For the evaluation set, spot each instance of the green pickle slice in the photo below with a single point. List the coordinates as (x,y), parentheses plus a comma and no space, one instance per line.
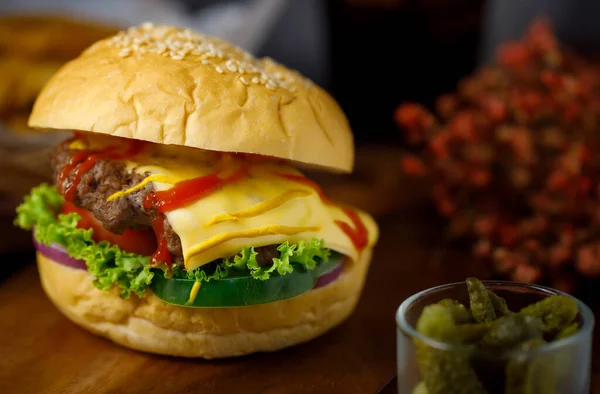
(568,331)
(493,345)
(444,372)
(557,312)
(481,305)
(420,389)
(499,304)
(519,368)
(474,332)
(460,313)
(509,331)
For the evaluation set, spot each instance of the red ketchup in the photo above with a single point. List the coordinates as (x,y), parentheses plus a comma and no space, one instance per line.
(358,235)
(181,194)
(83,161)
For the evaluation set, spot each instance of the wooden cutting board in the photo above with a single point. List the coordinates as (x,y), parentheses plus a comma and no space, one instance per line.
(43,352)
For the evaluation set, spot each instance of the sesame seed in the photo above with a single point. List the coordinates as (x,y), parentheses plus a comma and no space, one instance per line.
(124,52)
(181,43)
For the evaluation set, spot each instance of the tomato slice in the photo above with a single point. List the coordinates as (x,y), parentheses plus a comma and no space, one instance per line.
(141,242)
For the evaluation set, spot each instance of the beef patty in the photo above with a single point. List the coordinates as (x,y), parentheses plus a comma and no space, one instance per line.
(107,177)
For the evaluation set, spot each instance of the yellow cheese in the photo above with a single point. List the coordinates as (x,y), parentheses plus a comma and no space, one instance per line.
(253,233)
(259,210)
(77,145)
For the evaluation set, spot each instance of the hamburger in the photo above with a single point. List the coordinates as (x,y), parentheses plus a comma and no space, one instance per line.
(180,221)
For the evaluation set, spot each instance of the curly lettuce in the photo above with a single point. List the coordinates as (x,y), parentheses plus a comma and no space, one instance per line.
(132,273)
(110,265)
(307,255)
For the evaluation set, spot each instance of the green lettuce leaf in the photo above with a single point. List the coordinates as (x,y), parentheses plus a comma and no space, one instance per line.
(110,265)
(245,259)
(132,273)
(200,274)
(39,208)
(307,255)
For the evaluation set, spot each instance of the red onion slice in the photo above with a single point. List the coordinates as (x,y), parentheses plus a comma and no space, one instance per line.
(329,277)
(58,254)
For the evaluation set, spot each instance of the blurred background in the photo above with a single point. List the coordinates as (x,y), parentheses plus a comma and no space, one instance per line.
(372,55)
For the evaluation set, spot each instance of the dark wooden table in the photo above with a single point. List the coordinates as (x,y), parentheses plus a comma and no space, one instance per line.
(42,352)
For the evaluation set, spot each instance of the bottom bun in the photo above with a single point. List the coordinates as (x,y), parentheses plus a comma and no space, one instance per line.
(151,325)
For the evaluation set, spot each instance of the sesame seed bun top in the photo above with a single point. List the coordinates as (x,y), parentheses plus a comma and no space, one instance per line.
(174,86)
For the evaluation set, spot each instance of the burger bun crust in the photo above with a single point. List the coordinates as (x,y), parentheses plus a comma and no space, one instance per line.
(151,325)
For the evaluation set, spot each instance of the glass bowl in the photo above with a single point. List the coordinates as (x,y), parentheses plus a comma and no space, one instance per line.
(560,367)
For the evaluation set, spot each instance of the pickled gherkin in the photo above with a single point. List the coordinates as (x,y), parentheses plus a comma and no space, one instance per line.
(517,368)
(499,304)
(509,331)
(568,331)
(487,348)
(480,303)
(459,311)
(470,333)
(420,389)
(437,322)
(557,312)
(444,371)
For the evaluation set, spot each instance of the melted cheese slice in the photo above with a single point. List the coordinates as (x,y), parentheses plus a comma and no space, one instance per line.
(263,209)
